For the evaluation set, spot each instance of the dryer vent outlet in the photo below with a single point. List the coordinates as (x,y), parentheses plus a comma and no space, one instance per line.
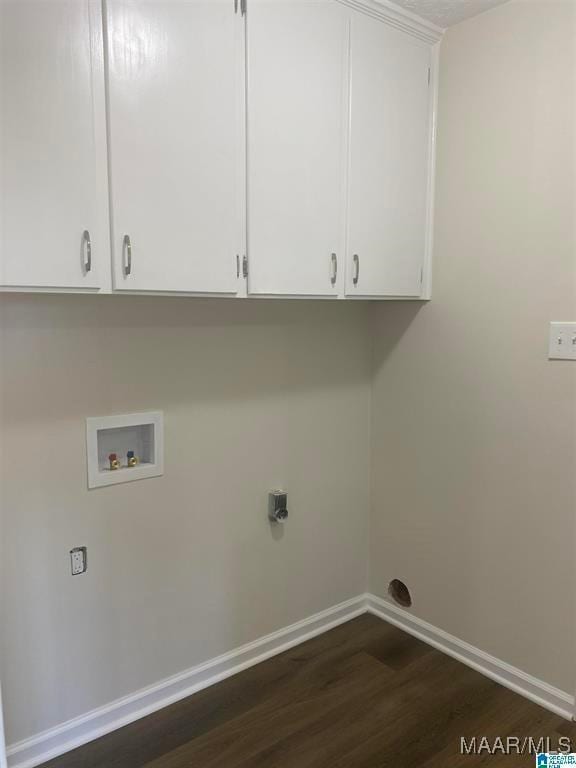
(400,593)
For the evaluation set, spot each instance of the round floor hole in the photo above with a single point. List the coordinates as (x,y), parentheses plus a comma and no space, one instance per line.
(400,593)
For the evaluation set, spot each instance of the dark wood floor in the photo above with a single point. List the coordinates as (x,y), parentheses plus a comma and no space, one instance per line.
(364,695)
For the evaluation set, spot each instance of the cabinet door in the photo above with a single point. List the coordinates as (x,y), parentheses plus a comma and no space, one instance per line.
(389,150)
(176,135)
(53,209)
(297,68)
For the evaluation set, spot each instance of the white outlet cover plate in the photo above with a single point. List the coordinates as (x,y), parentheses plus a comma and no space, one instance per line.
(562,341)
(143,432)
(78,562)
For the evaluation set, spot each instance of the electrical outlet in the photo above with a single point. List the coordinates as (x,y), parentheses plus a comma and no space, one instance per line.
(562,341)
(278,506)
(79,560)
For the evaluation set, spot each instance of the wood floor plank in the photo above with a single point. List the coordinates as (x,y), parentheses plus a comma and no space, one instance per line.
(364,695)
(140,742)
(283,718)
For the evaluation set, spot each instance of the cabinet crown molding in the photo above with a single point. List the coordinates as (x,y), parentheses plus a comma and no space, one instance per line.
(398,17)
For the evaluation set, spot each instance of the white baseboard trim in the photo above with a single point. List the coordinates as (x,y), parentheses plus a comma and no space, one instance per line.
(526,685)
(81,730)
(74,733)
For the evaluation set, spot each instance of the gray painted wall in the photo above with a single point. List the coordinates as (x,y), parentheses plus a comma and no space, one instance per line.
(256,395)
(474,429)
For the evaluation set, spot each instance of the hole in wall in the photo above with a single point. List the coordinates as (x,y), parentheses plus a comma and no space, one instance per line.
(400,593)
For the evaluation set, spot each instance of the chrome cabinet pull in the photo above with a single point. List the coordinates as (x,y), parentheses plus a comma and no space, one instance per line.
(334,268)
(237,265)
(127,248)
(356,260)
(87,250)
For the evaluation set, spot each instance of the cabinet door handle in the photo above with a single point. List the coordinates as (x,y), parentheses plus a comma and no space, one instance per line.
(127,248)
(356,260)
(334,268)
(87,250)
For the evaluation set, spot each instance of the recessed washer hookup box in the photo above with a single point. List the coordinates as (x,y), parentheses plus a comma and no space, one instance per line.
(124,448)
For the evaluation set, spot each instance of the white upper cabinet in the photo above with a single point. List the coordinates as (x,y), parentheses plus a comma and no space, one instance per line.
(389,160)
(297,55)
(177,144)
(53,209)
(289,141)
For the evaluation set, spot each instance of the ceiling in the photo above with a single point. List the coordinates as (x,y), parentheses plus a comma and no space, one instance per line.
(445,13)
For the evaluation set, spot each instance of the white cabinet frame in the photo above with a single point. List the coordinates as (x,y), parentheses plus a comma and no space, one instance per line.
(381,10)
(81,262)
(176,127)
(410,24)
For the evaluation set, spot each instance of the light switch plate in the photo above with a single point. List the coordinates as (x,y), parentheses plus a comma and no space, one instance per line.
(562,341)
